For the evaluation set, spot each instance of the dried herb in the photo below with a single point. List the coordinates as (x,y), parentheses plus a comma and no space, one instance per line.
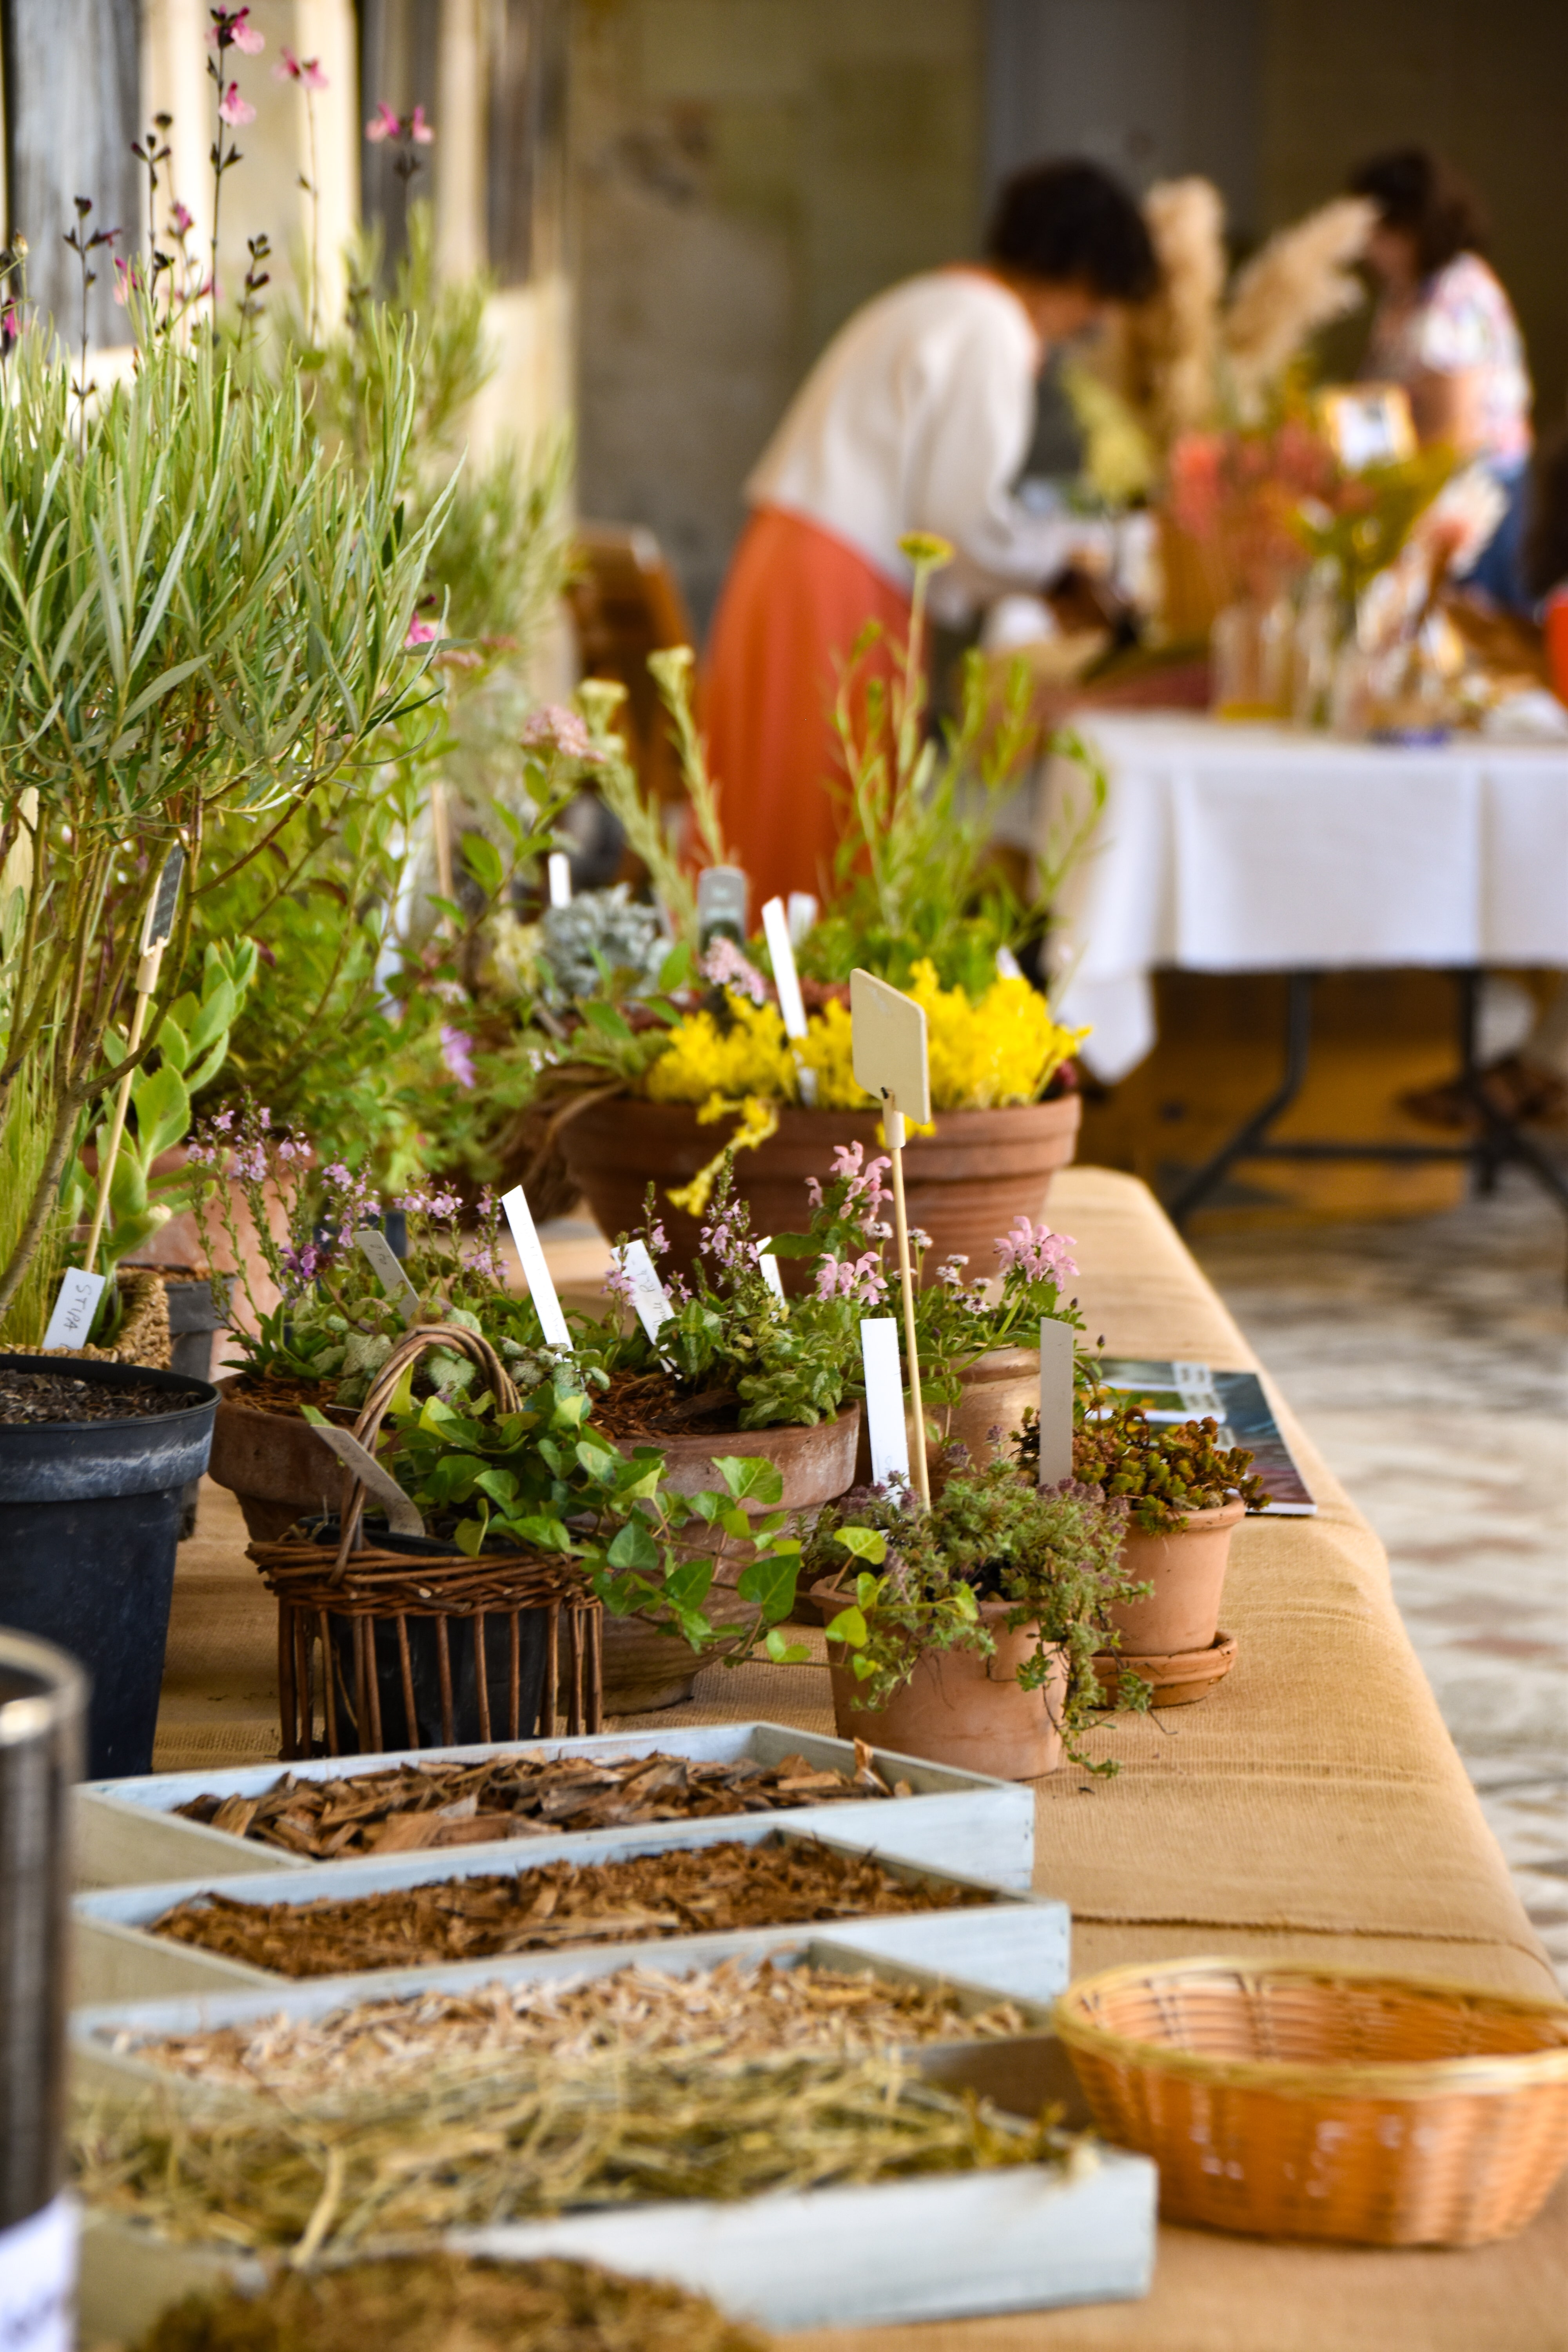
(413,1806)
(708,1890)
(723,2013)
(441,2302)
(534,2137)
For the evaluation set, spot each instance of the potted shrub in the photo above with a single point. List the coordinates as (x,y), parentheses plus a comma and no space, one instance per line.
(919,900)
(1185,1494)
(243,643)
(968,1633)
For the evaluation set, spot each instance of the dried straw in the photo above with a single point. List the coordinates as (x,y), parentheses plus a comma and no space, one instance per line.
(1299,281)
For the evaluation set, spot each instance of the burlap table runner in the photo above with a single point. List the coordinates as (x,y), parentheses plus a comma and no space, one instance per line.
(1313,1808)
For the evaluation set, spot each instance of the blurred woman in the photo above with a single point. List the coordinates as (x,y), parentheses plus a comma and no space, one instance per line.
(1446,331)
(916,418)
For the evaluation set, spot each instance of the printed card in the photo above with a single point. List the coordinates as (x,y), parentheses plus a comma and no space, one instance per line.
(649,1297)
(74,1307)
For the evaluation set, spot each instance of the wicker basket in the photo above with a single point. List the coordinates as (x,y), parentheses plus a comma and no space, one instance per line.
(406,1632)
(1311,2102)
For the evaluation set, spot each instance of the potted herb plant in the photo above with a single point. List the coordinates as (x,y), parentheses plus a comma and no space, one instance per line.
(969,1631)
(916,900)
(1184,1494)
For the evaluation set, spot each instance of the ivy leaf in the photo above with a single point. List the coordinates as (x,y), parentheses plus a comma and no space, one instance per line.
(633,1546)
(784,1652)
(866,1543)
(771,1584)
(749,1474)
(850,1627)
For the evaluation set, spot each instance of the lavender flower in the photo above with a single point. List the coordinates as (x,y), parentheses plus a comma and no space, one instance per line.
(458,1053)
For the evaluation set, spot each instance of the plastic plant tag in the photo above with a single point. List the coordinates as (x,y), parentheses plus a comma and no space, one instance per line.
(402,1516)
(535,1273)
(722,896)
(803,913)
(376,1247)
(1008,965)
(37,2280)
(768,1265)
(159,927)
(890,1045)
(558,868)
(786,979)
(74,1307)
(649,1297)
(1055,1402)
(886,1426)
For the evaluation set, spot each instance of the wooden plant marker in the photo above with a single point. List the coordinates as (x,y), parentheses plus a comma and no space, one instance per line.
(1055,1402)
(80,1288)
(889,1034)
(786,979)
(535,1272)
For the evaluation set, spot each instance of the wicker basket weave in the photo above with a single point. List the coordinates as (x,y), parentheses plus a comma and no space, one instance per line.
(352,1589)
(1307,2103)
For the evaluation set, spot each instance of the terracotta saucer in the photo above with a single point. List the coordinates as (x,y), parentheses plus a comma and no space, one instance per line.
(1179,1678)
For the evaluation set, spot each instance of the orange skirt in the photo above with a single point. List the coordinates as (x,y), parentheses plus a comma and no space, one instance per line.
(793,605)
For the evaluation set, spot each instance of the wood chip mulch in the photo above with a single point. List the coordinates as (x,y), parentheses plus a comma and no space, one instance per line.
(413,1806)
(713,1890)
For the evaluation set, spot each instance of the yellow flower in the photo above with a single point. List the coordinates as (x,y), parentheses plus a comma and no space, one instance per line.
(829,1048)
(759,1119)
(750,1057)
(1003,1050)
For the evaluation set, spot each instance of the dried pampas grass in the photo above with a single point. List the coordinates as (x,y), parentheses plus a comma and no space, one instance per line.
(1160,355)
(1300,280)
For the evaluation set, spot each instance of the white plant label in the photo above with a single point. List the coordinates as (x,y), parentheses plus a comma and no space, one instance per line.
(724,894)
(1008,965)
(803,912)
(559,867)
(769,1267)
(383,1259)
(886,1426)
(649,1295)
(38,2281)
(786,979)
(74,1307)
(535,1272)
(402,1515)
(1055,1402)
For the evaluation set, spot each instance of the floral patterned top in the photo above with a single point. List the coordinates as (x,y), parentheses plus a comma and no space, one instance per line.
(1458,320)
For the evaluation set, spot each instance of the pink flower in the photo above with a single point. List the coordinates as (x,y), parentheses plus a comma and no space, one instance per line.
(305,69)
(421,633)
(618,1284)
(182,219)
(1036,1254)
(383,124)
(860,1279)
(231,29)
(233,110)
(121,284)
(419,130)
(726,967)
(458,1053)
(553,727)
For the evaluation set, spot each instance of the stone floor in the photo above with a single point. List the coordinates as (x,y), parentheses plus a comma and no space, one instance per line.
(1429,1359)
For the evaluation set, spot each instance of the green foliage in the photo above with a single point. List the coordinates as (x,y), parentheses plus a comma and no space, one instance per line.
(1052,1554)
(199,613)
(1163,1473)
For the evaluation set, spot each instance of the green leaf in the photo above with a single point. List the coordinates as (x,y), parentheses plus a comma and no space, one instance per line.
(606,1021)
(633,1546)
(771,1584)
(483,861)
(850,1627)
(676,968)
(783,1651)
(749,1474)
(163,1112)
(865,1543)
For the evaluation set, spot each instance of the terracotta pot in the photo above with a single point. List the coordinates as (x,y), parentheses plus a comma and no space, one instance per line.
(1186,1567)
(273,1463)
(966,1184)
(645,1669)
(997,1389)
(961,1708)
(1177,1678)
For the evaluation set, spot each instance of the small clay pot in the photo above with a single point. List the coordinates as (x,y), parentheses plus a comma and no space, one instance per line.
(1186,1567)
(958,1707)
(645,1670)
(274,1464)
(1175,1681)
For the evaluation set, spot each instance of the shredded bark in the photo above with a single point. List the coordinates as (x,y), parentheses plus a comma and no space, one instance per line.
(649,1404)
(442,2302)
(645,1897)
(413,1806)
(281,1393)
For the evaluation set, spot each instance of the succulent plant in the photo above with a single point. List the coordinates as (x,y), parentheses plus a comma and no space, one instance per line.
(1165,1472)
(604,932)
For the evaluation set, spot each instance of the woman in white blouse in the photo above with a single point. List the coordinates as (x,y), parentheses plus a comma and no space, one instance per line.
(916,418)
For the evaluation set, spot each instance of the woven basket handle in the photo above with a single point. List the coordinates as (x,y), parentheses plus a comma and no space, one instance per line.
(457,1339)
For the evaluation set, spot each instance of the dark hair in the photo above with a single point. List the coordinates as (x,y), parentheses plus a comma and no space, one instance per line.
(1417,192)
(1546,540)
(1073,224)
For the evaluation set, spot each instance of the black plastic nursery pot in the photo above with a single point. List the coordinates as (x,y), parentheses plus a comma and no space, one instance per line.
(43,1697)
(90,1522)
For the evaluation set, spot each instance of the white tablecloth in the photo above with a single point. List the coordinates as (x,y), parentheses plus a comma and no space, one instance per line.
(1249,848)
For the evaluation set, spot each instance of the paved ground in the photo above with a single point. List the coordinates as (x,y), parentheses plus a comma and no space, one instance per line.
(1429,1359)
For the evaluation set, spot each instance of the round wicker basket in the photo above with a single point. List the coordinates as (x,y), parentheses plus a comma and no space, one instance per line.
(1310,2103)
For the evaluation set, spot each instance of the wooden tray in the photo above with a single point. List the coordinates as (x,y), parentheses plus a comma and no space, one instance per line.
(128,1833)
